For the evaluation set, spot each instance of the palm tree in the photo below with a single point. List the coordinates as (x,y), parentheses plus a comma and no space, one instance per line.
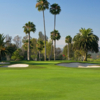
(68,40)
(55,9)
(55,35)
(86,41)
(29,27)
(43,5)
(40,46)
(2,44)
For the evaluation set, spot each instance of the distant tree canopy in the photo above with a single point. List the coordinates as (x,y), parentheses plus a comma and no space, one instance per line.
(85,40)
(10,49)
(40,46)
(25,38)
(42,37)
(18,41)
(71,51)
(48,49)
(17,55)
(8,40)
(68,39)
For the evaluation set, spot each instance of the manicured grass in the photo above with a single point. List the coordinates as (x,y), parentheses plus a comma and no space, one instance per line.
(47,81)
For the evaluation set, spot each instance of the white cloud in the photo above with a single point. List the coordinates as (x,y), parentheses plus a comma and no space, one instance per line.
(61,43)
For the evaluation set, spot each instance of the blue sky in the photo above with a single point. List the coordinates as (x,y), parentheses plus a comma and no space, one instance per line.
(74,15)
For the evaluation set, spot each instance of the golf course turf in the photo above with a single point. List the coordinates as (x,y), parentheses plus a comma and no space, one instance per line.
(47,81)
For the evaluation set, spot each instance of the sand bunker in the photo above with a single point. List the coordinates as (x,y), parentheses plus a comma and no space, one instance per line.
(79,65)
(17,65)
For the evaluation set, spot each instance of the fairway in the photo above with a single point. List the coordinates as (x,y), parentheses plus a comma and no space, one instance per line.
(47,81)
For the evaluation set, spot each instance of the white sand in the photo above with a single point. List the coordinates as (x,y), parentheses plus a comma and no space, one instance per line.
(93,66)
(17,65)
(79,65)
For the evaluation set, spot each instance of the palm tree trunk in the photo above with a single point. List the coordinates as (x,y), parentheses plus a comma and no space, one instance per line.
(68,51)
(29,46)
(85,58)
(51,50)
(54,22)
(27,52)
(44,35)
(54,40)
(54,50)
(39,56)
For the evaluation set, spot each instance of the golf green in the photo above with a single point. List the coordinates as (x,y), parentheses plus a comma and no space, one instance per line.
(47,81)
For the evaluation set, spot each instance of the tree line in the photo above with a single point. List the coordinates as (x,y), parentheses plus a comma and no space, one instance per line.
(17,48)
(77,47)
(85,41)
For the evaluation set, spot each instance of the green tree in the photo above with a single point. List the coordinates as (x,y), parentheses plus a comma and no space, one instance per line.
(54,9)
(25,45)
(25,42)
(9,50)
(89,56)
(43,5)
(71,51)
(29,27)
(58,53)
(18,41)
(55,35)
(25,38)
(17,55)
(34,50)
(48,49)
(86,41)
(68,40)
(78,55)
(42,37)
(40,46)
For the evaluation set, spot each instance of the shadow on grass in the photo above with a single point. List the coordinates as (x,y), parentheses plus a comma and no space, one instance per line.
(48,62)
(19,68)
(33,62)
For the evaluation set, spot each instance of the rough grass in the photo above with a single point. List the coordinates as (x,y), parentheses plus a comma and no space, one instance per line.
(47,81)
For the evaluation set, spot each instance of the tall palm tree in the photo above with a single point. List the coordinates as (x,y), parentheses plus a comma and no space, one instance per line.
(54,9)
(55,35)
(29,27)
(87,41)
(43,5)
(40,46)
(2,44)
(68,40)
